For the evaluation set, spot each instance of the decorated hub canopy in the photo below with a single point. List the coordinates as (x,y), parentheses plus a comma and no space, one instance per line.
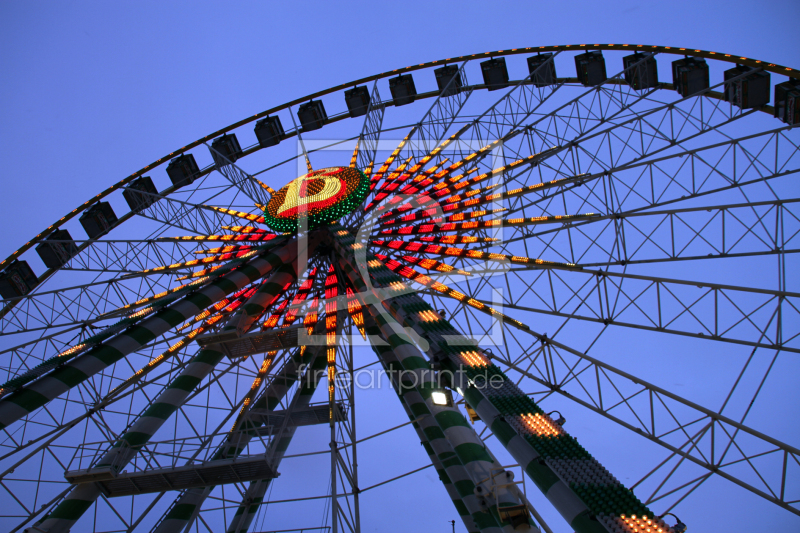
(319,197)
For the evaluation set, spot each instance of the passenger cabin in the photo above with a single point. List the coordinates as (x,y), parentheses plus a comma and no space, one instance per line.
(690,76)
(137,201)
(312,115)
(542,69)
(357,100)
(183,170)
(403,89)
(17,280)
(591,68)
(56,254)
(495,73)
(447,77)
(269,131)
(98,219)
(746,87)
(787,101)
(225,149)
(641,71)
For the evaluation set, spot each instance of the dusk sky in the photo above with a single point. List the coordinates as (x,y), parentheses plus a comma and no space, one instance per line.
(93,91)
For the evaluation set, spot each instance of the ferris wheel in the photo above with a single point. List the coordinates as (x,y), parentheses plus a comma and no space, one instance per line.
(507,240)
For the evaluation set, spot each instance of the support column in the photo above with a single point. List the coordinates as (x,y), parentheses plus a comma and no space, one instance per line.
(589,498)
(446,429)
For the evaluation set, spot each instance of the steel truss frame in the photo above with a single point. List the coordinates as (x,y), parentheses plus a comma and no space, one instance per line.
(632,153)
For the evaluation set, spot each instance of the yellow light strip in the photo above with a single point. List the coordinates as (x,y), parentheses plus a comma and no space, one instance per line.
(542,425)
(354,159)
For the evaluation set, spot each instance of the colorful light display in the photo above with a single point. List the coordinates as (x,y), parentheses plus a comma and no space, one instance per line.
(316,198)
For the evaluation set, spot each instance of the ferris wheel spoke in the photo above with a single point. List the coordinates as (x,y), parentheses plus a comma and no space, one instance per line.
(733,230)
(689,174)
(193,217)
(446,432)
(467,362)
(453,473)
(82,305)
(245,183)
(128,256)
(127,446)
(30,397)
(723,313)
(568,155)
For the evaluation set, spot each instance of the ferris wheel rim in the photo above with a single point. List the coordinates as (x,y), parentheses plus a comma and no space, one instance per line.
(312,96)
(728,58)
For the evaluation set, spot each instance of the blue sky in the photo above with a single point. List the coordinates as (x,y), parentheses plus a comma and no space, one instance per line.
(92,91)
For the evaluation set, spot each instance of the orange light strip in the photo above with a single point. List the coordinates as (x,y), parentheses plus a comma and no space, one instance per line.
(199,262)
(264,186)
(368,170)
(419,247)
(272,321)
(428,264)
(331,292)
(354,159)
(542,425)
(457,239)
(224,249)
(245,229)
(484,224)
(474,359)
(312,315)
(200,273)
(356,312)
(259,237)
(409,273)
(239,214)
(468,194)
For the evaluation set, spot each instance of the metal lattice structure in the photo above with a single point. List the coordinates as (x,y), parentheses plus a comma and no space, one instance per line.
(526,243)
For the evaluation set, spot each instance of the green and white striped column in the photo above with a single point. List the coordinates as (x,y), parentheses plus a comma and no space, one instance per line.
(577,485)
(589,498)
(40,392)
(448,432)
(64,516)
(264,297)
(448,458)
(455,439)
